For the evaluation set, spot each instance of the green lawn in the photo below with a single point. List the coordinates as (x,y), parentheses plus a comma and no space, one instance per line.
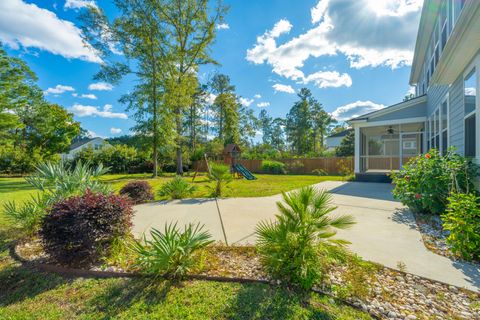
(28,294)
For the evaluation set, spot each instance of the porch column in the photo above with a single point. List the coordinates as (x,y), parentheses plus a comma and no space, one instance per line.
(357,149)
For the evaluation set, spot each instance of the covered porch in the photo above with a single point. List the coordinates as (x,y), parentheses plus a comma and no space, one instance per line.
(387,139)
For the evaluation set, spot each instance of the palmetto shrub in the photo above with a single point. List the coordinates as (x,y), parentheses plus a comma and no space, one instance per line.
(426,181)
(138,191)
(177,188)
(221,176)
(291,246)
(173,252)
(462,220)
(75,230)
(54,181)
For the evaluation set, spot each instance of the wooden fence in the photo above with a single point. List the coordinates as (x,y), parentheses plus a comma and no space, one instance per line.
(331,165)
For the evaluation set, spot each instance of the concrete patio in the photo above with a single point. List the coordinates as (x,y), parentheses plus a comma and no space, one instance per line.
(385,231)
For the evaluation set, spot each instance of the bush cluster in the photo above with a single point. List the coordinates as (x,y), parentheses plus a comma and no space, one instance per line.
(425,183)
(273,167)
(119,158)
(138,191)
(78,229)
(462,220)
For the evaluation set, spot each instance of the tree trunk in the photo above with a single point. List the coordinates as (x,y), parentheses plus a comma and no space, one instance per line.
(179,142)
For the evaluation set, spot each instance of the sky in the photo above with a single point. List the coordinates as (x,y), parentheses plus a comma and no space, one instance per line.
(354,55)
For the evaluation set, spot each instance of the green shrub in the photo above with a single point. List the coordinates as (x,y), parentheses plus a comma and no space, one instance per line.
(427,180)
(295,167)
(462,219)
(54,181)
(221,176)
(77,229)
(291,247)
(344,167)
(273,167)
(177,188)
(28,216)
(319,172)
(137,191)
(172,253)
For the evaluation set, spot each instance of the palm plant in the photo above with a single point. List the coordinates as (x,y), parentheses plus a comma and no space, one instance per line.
(173,252)
(58,181)
(177,188)
(55,181)
(290,247)
(221,176)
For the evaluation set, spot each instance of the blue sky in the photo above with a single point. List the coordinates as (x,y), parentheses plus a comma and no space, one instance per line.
(355,56)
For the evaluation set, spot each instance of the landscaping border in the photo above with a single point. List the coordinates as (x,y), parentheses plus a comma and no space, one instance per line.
(74,272)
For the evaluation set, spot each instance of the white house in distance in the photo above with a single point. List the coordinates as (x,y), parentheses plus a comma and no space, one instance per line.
(445,111)
(94,143)
(334,140)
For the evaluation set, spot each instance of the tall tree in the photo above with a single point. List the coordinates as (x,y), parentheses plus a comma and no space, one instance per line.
(347,145)
(166,40)
(248,124)
(278,134)
(266,126)
(321,122)
(221,87)
(299,127)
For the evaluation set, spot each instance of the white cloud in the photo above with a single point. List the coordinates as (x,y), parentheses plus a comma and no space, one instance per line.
(246,102)
(211,98)
(78,4)
(470,91)
(100,86)
(355,109)
(263,104)
(283,88)
(115,130)
(58,89)
(327,79)
(360,30)
(257,96)
(85,96)
(89,111)
(223,26)
(28,26)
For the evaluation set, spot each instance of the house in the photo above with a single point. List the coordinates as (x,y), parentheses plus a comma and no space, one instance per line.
(334,140)
(76,147)
(445,110)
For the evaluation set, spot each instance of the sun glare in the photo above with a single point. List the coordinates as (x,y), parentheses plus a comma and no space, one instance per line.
(393,7)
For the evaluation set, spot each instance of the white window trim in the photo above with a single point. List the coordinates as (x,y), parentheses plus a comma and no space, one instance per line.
(475,64)
(447,101)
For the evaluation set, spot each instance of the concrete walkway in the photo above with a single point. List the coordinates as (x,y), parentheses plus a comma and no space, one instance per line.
(385,231)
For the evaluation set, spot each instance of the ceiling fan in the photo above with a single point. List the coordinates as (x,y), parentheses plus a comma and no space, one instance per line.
(390,130)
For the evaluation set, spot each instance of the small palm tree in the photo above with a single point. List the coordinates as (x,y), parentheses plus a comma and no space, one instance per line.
(290,246)
(221,176)
(177,188)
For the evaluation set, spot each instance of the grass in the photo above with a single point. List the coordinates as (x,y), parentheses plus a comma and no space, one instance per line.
(29,294)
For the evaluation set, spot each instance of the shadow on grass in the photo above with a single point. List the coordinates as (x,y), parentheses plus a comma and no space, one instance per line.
(259,301)
(6,185)
(121,296)
(19,283)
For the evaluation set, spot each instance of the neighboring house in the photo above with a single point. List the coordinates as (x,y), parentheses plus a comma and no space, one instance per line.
(94,143)
(334,140)
(446,109)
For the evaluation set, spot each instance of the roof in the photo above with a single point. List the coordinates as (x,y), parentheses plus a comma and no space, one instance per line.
(392,108)
(427,21)
(340,134)
(231,147)
(80,143)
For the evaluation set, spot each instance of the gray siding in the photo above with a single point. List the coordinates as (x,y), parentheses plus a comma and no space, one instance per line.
(456,115)
(435,95)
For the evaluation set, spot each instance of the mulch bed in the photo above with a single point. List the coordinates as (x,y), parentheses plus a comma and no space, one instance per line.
(380,291)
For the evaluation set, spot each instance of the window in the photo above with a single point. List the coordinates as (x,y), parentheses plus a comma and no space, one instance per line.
(444,127)
(470,94)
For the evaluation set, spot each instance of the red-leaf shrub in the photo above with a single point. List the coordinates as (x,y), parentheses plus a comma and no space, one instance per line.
(138,191)
(77,229)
